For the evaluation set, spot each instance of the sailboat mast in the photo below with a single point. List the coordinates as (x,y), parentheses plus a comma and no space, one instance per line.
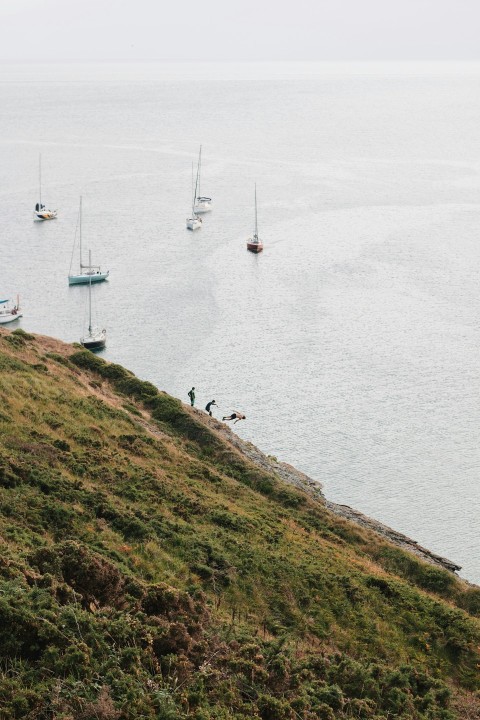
(193,195)
(256,225)
(80,231)
(40,178)
(198,171)
(90,293)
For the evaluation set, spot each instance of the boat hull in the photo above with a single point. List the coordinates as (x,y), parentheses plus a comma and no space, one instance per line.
(9,317)
(255,247)
(93,344)
(203,205)
(44,215)
(194,224)
(85,278)
(95,341)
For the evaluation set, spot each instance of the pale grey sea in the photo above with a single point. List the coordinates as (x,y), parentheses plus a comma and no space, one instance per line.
(352,343)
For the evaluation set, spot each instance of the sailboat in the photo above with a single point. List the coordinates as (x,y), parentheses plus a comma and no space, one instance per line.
(202,204)
(95,339)
(194,222)
(41,212)
(254,244)
(87,273)
(9,311)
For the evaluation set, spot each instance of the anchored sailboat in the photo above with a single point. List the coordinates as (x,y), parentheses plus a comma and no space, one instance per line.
(9,311)
(95,338)
(41,212)
(194,222)
(87,273)
(254,244)
(203,204)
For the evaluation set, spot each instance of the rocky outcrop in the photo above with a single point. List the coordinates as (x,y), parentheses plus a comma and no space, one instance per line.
(294,477)
(395,537)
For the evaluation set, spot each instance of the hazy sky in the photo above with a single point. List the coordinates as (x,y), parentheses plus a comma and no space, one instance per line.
(242,30)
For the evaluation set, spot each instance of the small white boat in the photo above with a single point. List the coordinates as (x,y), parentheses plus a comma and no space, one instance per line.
(254,244)
(9,311)
(95,339)
(194,222)
(203,204)
(87,273)
(41,212)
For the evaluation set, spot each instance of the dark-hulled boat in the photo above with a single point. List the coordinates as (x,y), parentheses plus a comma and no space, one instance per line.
(95,339)
(254,244)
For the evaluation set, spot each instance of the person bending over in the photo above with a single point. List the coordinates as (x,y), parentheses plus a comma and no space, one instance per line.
(208,407)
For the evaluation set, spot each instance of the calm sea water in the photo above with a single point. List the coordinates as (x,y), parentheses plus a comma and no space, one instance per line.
(352,343)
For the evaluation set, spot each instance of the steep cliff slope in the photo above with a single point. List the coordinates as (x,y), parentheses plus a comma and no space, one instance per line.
(153,566)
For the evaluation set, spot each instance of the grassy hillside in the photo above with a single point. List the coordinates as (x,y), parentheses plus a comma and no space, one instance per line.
(150,569)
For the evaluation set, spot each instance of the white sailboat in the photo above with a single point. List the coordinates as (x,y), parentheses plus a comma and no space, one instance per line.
(194,222)
(95,338)
(41,212)
(87,273)
(203,204)
(254,244)
(9,311)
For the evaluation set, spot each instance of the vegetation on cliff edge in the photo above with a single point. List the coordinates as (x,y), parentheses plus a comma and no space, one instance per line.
(150,570)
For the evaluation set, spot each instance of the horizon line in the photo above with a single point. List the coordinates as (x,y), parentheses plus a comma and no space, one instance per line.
(241,60)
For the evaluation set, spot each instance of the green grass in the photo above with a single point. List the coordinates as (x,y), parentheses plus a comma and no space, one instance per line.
(160,574)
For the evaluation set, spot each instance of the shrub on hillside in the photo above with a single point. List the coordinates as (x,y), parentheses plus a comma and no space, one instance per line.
(470,601)
(60,359)
(88,361)
(130,526)
(272,708)
(17,341)
(103,708)
(428,577)
(10,364)
(228,520)
(141,390)
(173,641)
(92,576)
(22,333)
(161,599)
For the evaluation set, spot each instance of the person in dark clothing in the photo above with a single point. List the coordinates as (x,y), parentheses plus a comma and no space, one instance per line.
(191,395)
(208,407)
(235,416)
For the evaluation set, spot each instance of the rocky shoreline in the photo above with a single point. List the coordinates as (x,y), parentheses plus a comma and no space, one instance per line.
(294,477)
(394,536)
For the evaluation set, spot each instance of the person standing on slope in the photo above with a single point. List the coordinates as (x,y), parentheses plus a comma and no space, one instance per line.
(191,395)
